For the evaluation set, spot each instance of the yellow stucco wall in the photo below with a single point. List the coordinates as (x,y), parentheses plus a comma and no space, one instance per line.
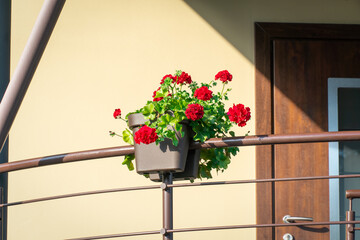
(107,54)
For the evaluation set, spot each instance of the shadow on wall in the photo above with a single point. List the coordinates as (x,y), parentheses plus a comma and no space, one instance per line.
(234,20)
(229,18)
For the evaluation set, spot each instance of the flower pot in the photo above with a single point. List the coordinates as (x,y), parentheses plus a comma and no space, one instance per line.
(190,172)
(164,157)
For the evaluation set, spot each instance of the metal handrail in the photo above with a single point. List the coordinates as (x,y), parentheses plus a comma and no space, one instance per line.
(168,230)
(167,186)
(211,143)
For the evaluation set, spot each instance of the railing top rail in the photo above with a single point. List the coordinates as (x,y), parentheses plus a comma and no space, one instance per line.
(211,143)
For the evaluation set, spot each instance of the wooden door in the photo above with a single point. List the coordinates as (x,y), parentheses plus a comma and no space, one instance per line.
(294,100)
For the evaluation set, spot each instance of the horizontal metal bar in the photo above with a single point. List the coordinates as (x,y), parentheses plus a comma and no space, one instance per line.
(279,139)
(176,185)
(79,194)
(67,157)
(211,143)
(218,228)
(352,193)
(117,235)
(263,180)
(262,226)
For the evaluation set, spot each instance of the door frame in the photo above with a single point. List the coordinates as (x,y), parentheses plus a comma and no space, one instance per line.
(265,34)
(334,163)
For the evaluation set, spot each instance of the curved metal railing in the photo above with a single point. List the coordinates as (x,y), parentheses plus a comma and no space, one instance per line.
(211,143)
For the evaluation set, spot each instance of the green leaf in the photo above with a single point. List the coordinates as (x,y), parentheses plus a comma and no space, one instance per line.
(167,81)
(199,136)
(152,116)
(178,73)
(128,137)
(165,119)
(128,161)
(224,163)
(175,142)
(162,92)
(148,109)
(233,150)
(204,172)
(232,133)
(160,108)
(178,127)
(171,135)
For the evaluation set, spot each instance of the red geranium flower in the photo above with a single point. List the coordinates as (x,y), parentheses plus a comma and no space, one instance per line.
(239,114)
(166,76)
(117,113)
(145,135)
(194,111)
(184,78)
(203,93)
(224,76)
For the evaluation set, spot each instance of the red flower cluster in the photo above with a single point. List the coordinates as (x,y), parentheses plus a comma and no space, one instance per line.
(203,93)
(194,111)
(166,76)
(145,135)
(117,113)
(224,76)
(184,78)
(239,114)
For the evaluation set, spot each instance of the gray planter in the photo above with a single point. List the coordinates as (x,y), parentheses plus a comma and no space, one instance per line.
(155,159)
(190,172)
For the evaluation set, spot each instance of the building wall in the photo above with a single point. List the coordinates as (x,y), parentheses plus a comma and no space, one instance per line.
(112,54)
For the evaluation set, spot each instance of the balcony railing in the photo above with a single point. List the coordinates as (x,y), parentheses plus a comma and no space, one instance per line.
(166,186)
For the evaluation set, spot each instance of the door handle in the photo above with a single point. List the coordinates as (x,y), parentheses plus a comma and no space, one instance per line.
(290,219)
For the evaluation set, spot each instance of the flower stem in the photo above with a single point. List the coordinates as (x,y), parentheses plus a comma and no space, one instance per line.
(123,119)
(222,90)
(114,134)
(172,90)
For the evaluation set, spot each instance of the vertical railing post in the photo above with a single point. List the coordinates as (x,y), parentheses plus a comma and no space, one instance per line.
(350,215)
(350,228)
(167,206)
(27,65)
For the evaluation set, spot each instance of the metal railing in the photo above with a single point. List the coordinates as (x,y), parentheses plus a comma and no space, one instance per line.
(211,143)
(166,186)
